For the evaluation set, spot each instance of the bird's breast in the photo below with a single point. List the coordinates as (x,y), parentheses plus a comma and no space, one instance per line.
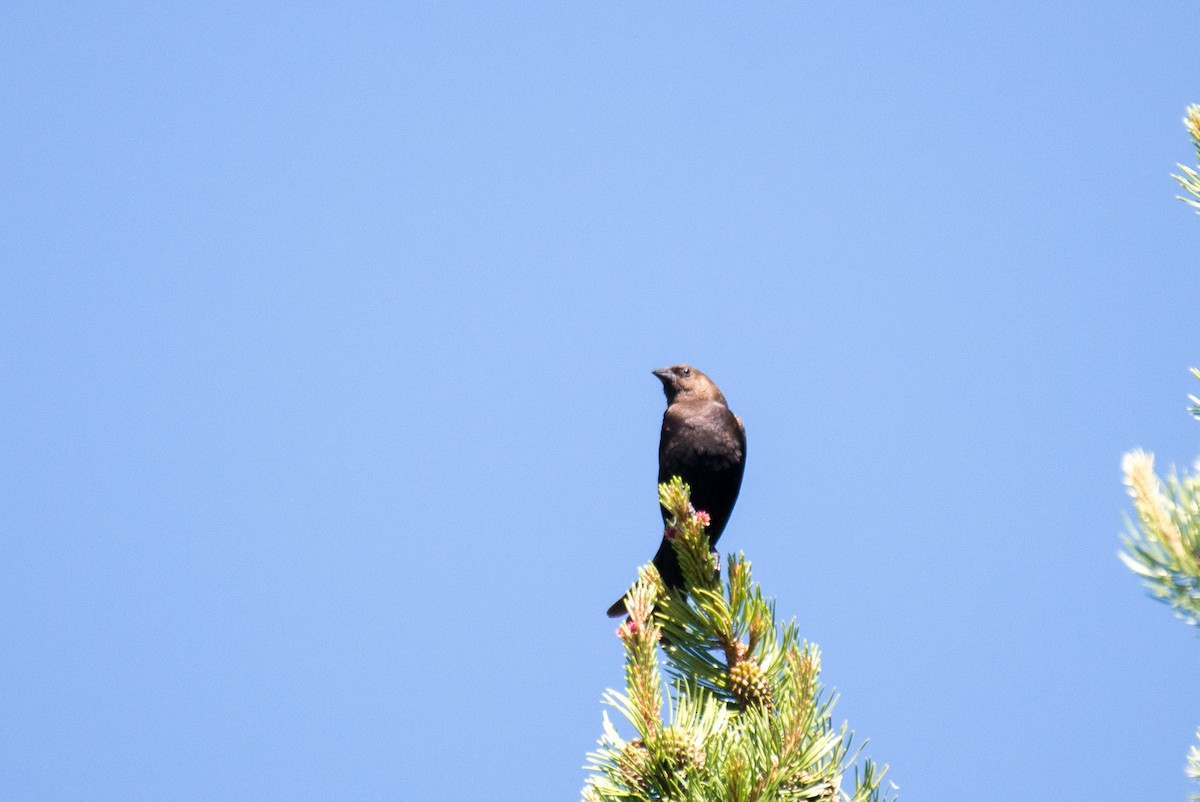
(711,437)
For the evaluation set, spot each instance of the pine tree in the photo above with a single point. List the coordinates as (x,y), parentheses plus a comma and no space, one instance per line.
(747,718)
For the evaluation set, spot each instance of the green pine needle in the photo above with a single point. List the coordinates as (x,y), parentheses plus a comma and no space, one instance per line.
(747,717)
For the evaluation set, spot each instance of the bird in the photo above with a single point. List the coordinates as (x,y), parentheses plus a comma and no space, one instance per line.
(703,443)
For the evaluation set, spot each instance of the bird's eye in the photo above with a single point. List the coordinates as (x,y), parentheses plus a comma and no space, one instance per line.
(686,371)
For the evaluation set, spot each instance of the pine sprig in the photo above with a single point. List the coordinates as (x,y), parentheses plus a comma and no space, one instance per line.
(1190,180)
(640,634)
(1195,407)
(748,719)
(1193,765)
(1163,547)
(686,530)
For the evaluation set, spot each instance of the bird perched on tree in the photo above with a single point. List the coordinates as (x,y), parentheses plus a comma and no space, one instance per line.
(703,443)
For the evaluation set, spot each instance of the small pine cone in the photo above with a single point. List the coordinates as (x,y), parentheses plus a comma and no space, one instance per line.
(641,770)
(806,787)
(749,685)
(684,751)
(636,764)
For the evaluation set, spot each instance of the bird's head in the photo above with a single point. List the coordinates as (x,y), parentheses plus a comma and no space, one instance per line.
(685,383)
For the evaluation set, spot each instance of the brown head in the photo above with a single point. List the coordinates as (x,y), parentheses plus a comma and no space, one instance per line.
(684,383)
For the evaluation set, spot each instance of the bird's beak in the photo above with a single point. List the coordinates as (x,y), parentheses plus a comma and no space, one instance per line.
(663,374)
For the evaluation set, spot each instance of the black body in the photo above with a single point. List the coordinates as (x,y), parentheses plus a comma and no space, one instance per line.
(703,443)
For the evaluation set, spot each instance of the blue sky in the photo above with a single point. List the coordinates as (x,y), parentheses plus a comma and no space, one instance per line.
(329,427)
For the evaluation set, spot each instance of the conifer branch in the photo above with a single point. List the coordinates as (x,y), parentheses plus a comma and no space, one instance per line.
(1193,765)
(1163,545)
(640,635)
(1190,180)
(748,719)
(1195,407)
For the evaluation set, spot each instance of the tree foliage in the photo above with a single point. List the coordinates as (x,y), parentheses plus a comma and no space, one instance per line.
(747,718)
(1190,180)
(1162,545)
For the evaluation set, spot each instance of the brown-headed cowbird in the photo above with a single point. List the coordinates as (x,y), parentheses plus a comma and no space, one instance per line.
(703,443)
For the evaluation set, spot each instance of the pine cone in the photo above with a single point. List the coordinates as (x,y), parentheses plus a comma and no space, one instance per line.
(636,764)
(807,787)
(684,751)
(749,685)
(642,770)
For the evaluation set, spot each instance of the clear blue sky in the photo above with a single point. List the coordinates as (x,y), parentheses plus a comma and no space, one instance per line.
(328,424)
